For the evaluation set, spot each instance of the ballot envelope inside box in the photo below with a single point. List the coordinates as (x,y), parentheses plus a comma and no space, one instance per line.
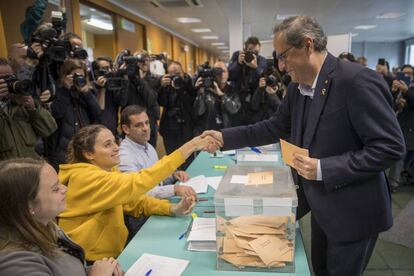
(255,210)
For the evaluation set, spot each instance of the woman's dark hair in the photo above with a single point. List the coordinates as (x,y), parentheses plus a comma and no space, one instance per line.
(83,140)
(72,64)
(19,185)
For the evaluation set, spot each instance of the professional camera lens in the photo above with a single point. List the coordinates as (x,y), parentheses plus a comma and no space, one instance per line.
(132,67)
(79,80)
(271,81)
(208,82)
(20,87)
(79,53)
(249,56)
(178,81)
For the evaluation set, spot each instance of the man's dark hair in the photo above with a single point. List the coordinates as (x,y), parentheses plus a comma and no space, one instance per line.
(296,28)
(407,66)
(347,55)
(251,40)
(69,36)
(95,63)
(129,111)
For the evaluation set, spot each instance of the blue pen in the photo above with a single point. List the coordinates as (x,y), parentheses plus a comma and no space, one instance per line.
(256,150)
(148,272)
(181,236)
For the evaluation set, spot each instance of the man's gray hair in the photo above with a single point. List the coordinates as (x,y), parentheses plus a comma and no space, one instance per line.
(296,28)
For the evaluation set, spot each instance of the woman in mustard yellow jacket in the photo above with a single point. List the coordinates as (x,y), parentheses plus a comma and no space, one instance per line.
(99,195)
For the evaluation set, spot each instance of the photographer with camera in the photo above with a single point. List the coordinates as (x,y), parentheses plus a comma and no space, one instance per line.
(245,68)
(268,96)
(24,66)
(217,104)
(176,96)
(75,106)
(142,89)
(402,88)
(109,88)
(54,50)
(22,119)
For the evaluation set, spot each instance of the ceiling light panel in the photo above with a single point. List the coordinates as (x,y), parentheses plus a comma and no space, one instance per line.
(365,27)
(188,19)
(390,15)
(201,30)
(209,37)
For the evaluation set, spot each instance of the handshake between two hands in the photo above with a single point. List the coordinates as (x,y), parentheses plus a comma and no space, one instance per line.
(210,141)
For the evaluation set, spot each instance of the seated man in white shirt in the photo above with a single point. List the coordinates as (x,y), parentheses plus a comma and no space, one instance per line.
(136,153)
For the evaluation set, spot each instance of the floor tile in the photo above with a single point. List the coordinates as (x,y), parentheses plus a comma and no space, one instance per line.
(403,272)
(396,256)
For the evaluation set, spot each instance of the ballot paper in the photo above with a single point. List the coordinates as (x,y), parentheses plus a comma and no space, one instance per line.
(260,158)
(238,179)
(202,236)
(158,265)
(229,152)
(269,248)
(289,149)
(214,181)
(259,178)
(257,241)
(202,246)
(203,229)
(198,183)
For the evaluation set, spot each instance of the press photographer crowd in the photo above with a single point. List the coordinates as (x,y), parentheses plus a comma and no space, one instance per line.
(77,114)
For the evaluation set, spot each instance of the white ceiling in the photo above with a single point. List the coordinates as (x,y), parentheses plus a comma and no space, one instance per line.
(259,16)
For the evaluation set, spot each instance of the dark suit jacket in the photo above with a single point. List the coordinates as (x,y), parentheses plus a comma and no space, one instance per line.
(352,129)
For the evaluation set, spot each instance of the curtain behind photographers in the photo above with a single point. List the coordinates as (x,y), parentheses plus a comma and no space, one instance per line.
(22,118)
(245,68)
(177,97)
(142,89)
(75,106)
(217,104)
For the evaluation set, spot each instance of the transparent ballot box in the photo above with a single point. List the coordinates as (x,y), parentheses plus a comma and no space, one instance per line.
(267,154)
(255,219)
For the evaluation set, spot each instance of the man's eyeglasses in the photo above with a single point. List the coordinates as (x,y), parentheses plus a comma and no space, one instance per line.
(282,56)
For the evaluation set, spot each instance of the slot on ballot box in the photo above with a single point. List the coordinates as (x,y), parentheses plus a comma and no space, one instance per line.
(256,219)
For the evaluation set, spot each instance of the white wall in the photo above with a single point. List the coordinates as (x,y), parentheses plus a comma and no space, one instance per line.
(393,52)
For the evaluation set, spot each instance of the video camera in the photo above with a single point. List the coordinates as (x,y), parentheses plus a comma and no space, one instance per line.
(55,49)
(209,75)
(18,87)
(114,79)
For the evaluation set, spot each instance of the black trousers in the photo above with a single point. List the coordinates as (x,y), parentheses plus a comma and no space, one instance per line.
(154,133)
(331,258)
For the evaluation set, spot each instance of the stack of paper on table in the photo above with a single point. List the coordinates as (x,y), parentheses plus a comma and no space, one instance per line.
(214,181)
(202,236)
(158,265)
(198,183)
(256,241)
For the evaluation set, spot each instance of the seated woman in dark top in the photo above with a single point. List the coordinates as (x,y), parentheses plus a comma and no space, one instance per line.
(30,242)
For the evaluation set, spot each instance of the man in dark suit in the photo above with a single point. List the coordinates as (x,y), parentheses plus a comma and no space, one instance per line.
(342,113)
